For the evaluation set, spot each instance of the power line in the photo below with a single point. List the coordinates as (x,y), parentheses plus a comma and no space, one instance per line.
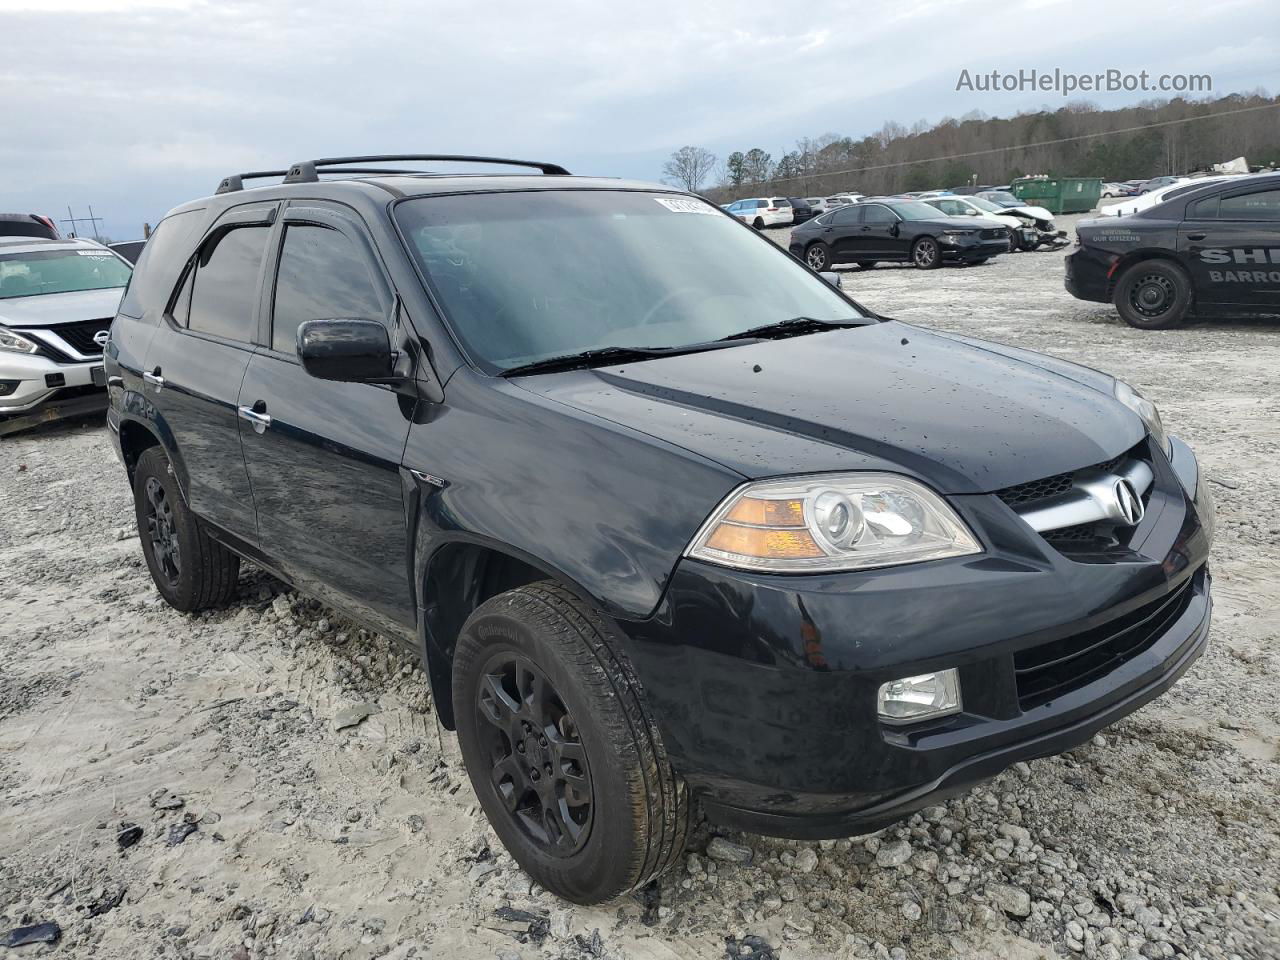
(1023,146)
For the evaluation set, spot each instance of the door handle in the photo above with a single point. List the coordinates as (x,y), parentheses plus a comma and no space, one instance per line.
(258,419)
(1196,236)
(153,377)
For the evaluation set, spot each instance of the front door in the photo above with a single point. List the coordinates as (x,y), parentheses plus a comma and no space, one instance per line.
(195,364)
(880,240)
(1231,244)
(324,457)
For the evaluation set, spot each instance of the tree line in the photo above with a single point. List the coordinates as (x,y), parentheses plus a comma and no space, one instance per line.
(1077,140)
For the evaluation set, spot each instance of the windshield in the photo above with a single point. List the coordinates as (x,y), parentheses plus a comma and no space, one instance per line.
(532,275)
(1002,198)
(60,271)
(986,205)
(913,209)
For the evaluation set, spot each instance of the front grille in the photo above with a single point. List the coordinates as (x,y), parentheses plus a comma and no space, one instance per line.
(1052,669)
(80,335)
(1047,488)
(993,234)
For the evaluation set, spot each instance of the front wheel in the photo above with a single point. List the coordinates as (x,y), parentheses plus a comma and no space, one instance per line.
(818,257)
(561,749)
(925,253)
(191,570)
(1153,295)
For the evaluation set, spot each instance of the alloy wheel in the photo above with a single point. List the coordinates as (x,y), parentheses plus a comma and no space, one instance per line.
(538,762)
(816,259)
(162,530)
(926,253)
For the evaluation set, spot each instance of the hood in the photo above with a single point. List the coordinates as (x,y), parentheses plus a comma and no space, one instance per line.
(47,309)
(1035,213)
(963,416)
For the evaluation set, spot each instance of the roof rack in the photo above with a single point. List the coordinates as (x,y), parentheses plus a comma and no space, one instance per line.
(236,181)
(307,171)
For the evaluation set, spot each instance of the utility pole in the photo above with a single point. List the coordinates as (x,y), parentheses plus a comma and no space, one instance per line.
(90,219)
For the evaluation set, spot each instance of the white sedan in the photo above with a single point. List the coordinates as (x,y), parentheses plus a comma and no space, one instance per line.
(1148,200)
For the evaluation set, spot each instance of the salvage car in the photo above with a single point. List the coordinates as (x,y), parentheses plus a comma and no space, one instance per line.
(27,225)
(761,212)
(672,522)
(57,300)
(1022,236)
(1210,247)
(895,231)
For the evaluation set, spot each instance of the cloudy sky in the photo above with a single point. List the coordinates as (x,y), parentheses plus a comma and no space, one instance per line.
(134,106)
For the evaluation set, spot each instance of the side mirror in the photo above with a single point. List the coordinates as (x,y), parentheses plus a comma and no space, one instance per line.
(973,213)
(831,278)
(348,350)
(895,229)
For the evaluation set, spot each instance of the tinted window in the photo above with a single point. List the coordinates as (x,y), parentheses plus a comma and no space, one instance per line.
(321,276)
(226,284)
(845,216)
(1206,208)
(1264,205)
(782,203)
(874,213)
(162,258)
(181,309)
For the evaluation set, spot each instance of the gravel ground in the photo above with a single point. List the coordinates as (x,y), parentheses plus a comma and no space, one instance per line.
(268,781)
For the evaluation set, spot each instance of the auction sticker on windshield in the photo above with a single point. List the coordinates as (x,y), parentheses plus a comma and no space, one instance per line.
(682,205)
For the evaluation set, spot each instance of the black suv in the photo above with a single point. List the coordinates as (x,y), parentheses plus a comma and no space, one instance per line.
(671,520)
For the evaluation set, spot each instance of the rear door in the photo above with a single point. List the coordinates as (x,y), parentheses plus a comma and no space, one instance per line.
(841,233)
(324,457)
(198,357)
(1231,244)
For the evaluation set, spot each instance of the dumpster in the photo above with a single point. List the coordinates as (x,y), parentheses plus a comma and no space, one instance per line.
(1059,194)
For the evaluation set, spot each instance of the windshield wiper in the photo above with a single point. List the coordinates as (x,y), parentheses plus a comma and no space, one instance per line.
(794,327)
(603,356)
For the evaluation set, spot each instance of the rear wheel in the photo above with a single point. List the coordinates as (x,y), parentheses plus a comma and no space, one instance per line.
(758,223)
(561,749)
(1153,295)
(818,256)
(925,253)
(191,570)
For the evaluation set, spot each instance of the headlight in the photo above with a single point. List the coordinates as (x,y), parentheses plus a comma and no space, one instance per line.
(16,343)
(850,521)
(1145,409)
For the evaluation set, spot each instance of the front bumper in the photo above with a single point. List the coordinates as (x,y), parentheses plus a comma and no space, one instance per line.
(967,250)
(765,686)
(39,379)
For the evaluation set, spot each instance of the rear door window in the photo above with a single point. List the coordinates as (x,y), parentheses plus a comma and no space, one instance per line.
(1260,205)
(224,297)
(322,276)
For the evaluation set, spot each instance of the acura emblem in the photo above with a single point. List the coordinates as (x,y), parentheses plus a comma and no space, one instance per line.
(101,338)
(1130,504)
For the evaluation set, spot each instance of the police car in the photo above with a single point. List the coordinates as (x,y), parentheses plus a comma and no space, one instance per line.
(1211,249)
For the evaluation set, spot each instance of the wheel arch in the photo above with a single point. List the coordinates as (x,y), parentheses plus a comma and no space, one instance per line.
(456,577)
(135,439)
(1133,257)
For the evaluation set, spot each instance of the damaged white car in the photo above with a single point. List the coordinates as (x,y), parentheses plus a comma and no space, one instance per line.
(1037,219)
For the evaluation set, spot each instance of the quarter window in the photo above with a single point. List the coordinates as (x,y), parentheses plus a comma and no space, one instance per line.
(225,291)
(322,276)
(874,213)
(845,216)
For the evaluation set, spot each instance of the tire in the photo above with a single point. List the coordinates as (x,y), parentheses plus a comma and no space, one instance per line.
(867,264)
(818,256)
(1153,295)
(590,721)
(191,570)
(926,254)
(1015,240)
(758,223)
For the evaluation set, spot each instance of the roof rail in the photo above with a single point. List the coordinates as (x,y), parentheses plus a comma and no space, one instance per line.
(236,181)
(307,171)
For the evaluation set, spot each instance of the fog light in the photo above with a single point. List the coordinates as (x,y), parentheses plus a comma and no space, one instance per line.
(919,698)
